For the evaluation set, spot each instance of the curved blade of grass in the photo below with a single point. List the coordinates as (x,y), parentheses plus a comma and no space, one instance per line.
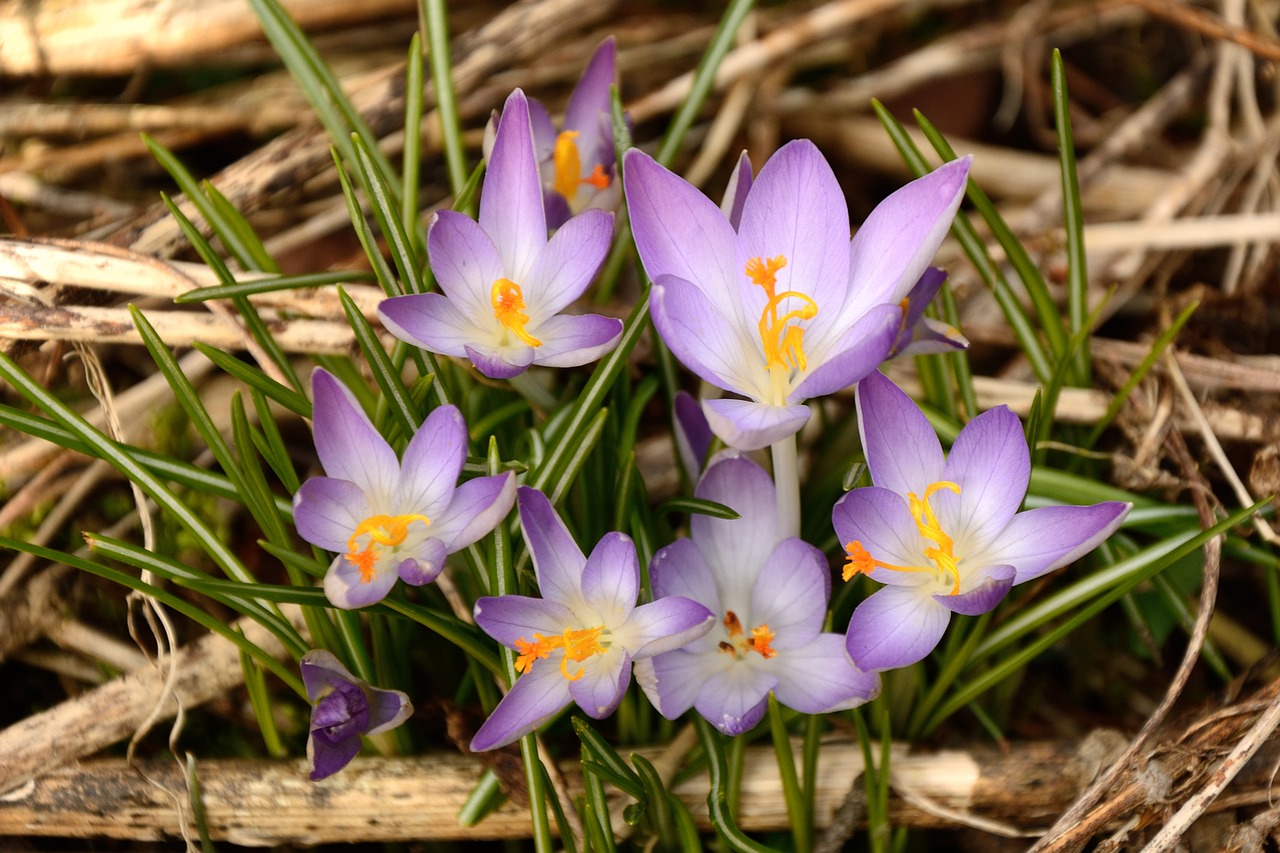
(411,158)
(1072,218)
(386,209)
(698,506)
(1139,373)
(257,496)
(1032,279)
(581,451)
(319,84)
(608,757)
(973,246)
(1102,593)
(165,597)
(100,446)
(381,269)
(704,79)
(256,379)
(466,637)
(271,284)
(397,396)
(718,796)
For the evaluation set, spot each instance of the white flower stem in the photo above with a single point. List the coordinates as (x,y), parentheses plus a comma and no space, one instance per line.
(786,480)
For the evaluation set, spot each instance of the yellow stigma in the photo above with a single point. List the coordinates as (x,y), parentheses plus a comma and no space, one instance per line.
(783,342)
(508,307)
(567,163)
(941,553)
(578,645)
(385,530)
(740,644)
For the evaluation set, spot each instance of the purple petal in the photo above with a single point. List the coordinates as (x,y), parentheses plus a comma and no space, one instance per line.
(327,511)
(735,194)
(680,570)
(894,246)
(987,587)
(477,507)
(611,579)
(557,207)
(734,700)
(930,337)
(430,321)
(1041,540)
(666,624)
(432,462)
(922,293)
(692,433)
(706,340)
(748,425)
(990,463)
(881,521)
(544,131)
(679,232)
(511,200)
(425,566)
(344,588)
(508,618)
(790,594)
(557,560)
(536,697)
(902,450)
(796,209)
(322,671)
(854,355)
(736,549)
(604,681)
(567,265)
(387,709)
(818,678)
(590,101)
(673,680)
(896,626)
(464,260)
(349,446)
(326,757)
(500,363)
(569,340)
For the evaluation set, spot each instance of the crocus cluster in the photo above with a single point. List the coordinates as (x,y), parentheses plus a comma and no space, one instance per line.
(764,296)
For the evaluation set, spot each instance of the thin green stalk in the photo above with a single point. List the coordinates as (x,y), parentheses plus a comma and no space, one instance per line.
(718,796)
(411,160)
(797,808)
(455,152)
(1072,218)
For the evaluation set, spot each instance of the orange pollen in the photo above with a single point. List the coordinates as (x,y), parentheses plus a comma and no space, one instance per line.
(567,163)
(739,644)
(508,308)
(941,553)
(388,531)
(598,178)
(578,646)
(783,343)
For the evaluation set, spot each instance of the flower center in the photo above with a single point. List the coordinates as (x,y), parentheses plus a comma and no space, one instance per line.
(739,644)
(781,336)
(508,307)
(941,553)
(578,646)
(385,530)
(568,168)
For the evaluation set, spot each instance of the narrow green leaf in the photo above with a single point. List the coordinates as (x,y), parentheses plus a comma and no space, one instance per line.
(455,152)
(1072,217)
(399,400)
(411,160)
(718,796)
(607,756)
(386,209)
(255,378)
(271,284)
(484,799)
(698,506)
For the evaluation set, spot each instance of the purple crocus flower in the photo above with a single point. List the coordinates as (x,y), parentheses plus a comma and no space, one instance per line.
(504,283)
(766,297)
(342,708)
(383,517)
(578,641)
(771,596)
(945,535)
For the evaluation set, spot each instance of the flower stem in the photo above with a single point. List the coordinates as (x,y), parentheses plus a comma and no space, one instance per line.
(797,812)
(786,480)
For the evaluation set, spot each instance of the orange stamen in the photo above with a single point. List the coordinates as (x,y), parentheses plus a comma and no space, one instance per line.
(942,553)
(758,642)
(597,178)
(761,637)
(783,344)
(508,307)
(386,530)
(578,645)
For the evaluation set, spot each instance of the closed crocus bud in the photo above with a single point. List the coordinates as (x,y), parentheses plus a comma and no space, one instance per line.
(342,709)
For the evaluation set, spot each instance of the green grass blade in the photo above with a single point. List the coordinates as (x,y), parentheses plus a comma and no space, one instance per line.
(386,209)
(718,796)
(411,160)
(256,379)
(271,284)
(1072,218)
(398,398)
(455,152)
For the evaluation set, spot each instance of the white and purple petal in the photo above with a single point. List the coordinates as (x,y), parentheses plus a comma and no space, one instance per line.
(567,264)
(990,463)
(1043,539)
(896,626)
(981,591)
(748,425)
(433,322)
(666,624)
(508,618)
(558,562)
(679,569)
(431,464)
(705,338)
(424,565)
(734,699)
(902,450)
(590,101)
(818,677)
(478,506)
(881,521)
(603,682)
(735,193)
(327,512)
(569,340)
(500,362)
(611,579)
(464,261)
(853,355)
(349,446)
(537,696)
(790,594)
(345,587)
(511,210)
(673,680)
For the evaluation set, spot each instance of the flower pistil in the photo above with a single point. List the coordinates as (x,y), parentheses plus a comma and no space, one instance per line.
(578,645)
(783,343)
(568,167)
(385,530)
(941,553)
(508,307)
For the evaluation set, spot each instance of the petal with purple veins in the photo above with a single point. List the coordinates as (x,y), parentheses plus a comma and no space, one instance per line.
(703,336)
(327,512)
(511,210)
(748,425)
(432,462)
(790,594)
(344,587)
(500,362)
(896,626)
(673,680)
(982,591)
(679,569)
(603,682)
(431,321)
(537,696)
(557,560)
(733,700)
(881,522)
(854,355)
(477,507)
(569,340)
(508,618)
(991,464)
(567,264)
(424,566)
(1040,540)
(349,446)
(902,450)
(465,262)
(818,677)
(666,624)
(611,579)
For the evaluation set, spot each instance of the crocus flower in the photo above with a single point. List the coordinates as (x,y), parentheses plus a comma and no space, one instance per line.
(945,535)
(773,302)
(577,163)
(383,517)
(504,283)
(770,594)
(576,643)
(342,708)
